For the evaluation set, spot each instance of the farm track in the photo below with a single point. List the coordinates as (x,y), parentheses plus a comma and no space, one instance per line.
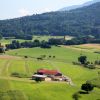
(4,70)
(26,66)
(16,79)
(26,80)
(9,57)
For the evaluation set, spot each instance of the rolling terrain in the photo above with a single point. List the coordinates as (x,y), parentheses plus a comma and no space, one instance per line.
(26,89)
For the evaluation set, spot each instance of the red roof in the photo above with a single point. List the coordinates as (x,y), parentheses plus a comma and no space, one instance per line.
(48,72)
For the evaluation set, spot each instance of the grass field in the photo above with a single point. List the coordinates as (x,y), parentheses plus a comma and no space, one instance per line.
(12,88)
(8,41)
(49,37)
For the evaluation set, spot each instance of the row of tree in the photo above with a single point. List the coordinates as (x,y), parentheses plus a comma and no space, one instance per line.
(82,60)
(27,44)
(47,44)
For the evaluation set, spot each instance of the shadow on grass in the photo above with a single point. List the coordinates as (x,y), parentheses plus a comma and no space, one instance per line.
(83,92)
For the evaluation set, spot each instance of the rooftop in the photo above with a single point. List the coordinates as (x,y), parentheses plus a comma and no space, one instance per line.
(46,71)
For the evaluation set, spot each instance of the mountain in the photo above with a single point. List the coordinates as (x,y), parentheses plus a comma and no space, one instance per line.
(79,6)
(78,22)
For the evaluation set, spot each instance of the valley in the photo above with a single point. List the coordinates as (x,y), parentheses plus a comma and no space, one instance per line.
(50,54)
(29,89)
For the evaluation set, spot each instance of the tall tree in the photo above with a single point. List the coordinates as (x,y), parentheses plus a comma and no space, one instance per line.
(82,59)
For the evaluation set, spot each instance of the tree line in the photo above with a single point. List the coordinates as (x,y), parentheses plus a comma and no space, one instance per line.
(27,44)
(15,44)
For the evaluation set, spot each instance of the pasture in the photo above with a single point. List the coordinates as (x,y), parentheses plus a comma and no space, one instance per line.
(46,38)
(8,41)
(13,88)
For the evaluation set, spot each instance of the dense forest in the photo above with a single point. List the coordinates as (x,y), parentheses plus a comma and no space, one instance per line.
(79,22)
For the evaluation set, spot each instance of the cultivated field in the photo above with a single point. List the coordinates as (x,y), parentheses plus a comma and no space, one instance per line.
(90,47)
(12,88)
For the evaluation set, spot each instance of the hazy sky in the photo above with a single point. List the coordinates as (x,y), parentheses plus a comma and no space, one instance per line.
(17,8)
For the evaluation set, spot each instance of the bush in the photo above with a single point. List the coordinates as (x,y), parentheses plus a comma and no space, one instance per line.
(90,66)
(76,96)
(76,63)
(87,87)
(25,56)
(97,62)
(37,79)
(19,75)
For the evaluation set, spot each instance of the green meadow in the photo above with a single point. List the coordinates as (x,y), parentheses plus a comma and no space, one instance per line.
(13,88)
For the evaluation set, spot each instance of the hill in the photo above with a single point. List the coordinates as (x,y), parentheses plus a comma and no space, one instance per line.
(78,22)
(23,88)
(79,6)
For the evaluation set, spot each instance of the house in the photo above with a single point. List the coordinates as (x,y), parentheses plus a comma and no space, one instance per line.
(49,73)
(42,77)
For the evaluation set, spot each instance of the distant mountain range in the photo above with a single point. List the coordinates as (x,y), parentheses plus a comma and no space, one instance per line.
(79,6)
(78,22)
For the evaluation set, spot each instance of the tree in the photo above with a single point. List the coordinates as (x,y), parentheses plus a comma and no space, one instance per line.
(49,56)
(2,50)
(87,87)
(82,59)
(53,56)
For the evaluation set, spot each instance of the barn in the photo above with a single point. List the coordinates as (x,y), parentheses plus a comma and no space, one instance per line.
(49,72)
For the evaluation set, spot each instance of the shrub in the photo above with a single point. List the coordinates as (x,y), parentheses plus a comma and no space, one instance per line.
(76,63)
(87,87)
(90,66)
(37,79)
(25,56)
(76,96)
(19,75)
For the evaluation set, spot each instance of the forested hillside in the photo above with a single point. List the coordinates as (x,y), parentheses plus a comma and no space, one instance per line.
(79,22)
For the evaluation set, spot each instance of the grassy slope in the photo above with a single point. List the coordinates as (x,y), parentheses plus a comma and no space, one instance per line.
(49,91)
(67,55)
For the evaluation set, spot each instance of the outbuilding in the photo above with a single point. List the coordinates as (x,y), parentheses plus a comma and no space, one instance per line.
(42,77)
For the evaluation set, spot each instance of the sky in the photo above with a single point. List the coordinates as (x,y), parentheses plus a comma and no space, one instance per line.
(18,8)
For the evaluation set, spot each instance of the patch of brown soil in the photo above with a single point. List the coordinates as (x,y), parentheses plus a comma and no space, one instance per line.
(8,57)
(95,46)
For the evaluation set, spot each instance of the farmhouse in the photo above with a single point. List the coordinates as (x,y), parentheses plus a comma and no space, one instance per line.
(49,75)
(42,77)
(49,72)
